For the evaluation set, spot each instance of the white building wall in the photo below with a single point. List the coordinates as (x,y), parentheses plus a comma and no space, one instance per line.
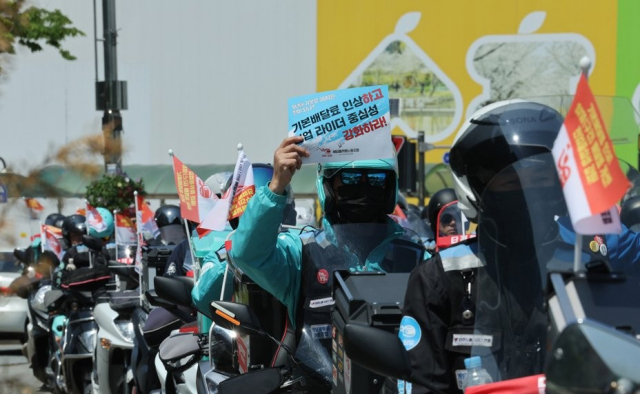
(203,75)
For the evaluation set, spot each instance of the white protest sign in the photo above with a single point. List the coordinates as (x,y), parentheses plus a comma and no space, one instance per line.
(343,125)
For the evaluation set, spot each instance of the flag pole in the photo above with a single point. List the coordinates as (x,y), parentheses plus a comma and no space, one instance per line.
(86,213)
(115,233)
(42,238)
(226,271)
(138,247)
(585,65)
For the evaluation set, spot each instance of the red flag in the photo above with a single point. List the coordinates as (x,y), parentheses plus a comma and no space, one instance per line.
(196,199)
(51,240)
(125,230)
(94,219)
(144,218)
(33,204)
(589,172)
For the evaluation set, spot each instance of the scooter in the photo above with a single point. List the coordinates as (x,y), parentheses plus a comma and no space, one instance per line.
(112,353)
(33,287)
(183,352)
(71,363)
(112,358)
(146,342)
(178,374)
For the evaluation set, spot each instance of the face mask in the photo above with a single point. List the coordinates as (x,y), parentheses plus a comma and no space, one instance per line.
(360,203)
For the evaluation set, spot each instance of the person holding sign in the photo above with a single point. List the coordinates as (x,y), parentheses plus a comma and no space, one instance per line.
(485,297)
(356,198)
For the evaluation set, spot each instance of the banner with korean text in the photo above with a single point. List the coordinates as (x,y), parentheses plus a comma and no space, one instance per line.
(196,199)
(343,125)
(589,172)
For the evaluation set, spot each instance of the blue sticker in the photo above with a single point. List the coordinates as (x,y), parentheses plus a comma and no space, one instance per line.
(445,158)
(404,387)
(410,332)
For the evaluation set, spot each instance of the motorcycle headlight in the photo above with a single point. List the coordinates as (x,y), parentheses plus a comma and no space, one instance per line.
(88,340)
(125,328)
(37,302)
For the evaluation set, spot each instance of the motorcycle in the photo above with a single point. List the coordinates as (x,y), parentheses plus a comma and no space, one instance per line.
(160,325)
(115,337)
(32,286)
(113,308)
(543,310)
(178,373)
(183,351)
(73,340)
(303,365)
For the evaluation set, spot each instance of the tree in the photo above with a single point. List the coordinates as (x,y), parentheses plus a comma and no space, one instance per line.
(33,27)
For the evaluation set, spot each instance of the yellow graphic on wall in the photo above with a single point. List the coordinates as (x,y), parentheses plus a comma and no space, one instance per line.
(444,59)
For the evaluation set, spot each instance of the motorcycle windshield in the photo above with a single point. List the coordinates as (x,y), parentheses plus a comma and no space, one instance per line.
(372,246)
(518,236)
(452,226)
(522,226)
(618,114)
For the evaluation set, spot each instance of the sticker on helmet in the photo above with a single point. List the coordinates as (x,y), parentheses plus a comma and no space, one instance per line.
(593,245)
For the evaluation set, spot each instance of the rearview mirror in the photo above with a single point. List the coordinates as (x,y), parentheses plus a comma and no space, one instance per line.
(20,255)
(588,357)
(91,242)
(388,357)
(175,289)
(234,316)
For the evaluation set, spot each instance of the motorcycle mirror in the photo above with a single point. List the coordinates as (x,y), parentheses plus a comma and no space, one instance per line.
(20,255)
(175,289)
(93,243)
(388,357)
(269,380)
(234,316)
(588,356)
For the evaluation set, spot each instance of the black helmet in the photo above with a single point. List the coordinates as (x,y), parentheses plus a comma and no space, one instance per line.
(630,213)
(55,220)
(166,215)
(495,137)
(73,223)
(439,199)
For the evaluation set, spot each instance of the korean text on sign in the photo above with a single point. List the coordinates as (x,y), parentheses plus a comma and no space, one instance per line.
(330,121)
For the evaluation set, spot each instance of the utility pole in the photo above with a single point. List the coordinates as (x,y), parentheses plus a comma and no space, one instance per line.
(111,94)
